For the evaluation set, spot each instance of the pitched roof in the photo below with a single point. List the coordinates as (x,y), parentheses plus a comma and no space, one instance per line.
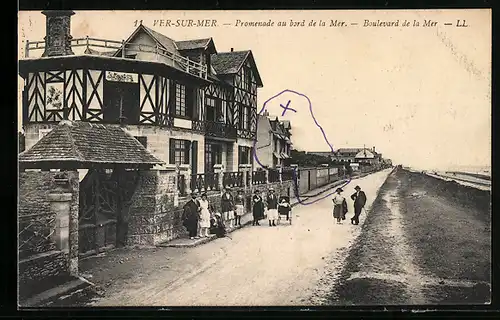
(165,41)
(195,44)
(348,150)
(161,39)
(84,142)
(229,62)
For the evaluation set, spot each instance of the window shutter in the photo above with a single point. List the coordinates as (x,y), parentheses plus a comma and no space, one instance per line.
(172,98)
(171,154)
(194,152)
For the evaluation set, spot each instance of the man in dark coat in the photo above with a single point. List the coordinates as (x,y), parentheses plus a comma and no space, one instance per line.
(359,198)
(191,216)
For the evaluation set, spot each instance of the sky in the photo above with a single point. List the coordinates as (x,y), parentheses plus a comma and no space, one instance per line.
(420,95)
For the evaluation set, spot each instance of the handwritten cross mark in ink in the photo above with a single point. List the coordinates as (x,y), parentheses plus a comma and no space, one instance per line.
(295,175)
(285,108)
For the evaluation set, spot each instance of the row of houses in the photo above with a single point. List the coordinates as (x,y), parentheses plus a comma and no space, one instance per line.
(118,133)
(356,157)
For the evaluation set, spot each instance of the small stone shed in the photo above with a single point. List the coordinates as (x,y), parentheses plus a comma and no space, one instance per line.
(75,188)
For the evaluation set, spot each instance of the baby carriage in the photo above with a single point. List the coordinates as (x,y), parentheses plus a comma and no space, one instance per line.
(284,209)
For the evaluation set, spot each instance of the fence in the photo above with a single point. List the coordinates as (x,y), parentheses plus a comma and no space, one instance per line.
(307,179)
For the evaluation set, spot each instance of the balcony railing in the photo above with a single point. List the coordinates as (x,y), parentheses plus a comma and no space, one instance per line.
(274,175)
(215,129)
(232,179)
(259,177)
(177,60)
(205,182)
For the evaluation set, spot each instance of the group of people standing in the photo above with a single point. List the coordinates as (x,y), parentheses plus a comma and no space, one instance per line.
(340,205)
(200,218)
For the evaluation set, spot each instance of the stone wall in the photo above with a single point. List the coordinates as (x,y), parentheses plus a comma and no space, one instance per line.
(155,215)
(39,255)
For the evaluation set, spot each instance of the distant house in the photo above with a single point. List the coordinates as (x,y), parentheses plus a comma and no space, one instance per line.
(273,141)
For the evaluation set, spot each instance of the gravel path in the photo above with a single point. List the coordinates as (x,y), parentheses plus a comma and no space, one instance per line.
(418,247)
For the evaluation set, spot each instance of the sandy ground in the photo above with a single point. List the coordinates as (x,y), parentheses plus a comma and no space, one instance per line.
(261,265)
(418,247)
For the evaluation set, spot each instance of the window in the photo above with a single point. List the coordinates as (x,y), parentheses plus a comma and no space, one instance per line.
(213,155)
(180,100)
(243,155)
(248,81)
(244,117)
(179,151)
(210,108)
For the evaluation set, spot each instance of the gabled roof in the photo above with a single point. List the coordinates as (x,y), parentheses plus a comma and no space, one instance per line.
(162,40)
(348,150)
(231,63)
(365,154)
(87,143)
(205,44)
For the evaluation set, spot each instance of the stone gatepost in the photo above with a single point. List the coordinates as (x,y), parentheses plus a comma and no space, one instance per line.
(247,175)
(219,170)
(185,170)
(66,241)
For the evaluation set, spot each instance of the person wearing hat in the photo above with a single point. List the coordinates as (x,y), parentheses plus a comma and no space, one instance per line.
(338,201)
(272,208)
(191,216)
(359,198)
(227,206)
(257,208)
(239,204)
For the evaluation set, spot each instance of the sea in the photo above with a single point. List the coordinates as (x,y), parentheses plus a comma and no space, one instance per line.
(485,170)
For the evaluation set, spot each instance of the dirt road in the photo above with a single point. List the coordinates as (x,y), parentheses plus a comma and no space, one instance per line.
(419,246)
(260,265)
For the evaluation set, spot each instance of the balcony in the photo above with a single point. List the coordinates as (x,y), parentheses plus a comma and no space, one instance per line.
(215,129)
(176,60)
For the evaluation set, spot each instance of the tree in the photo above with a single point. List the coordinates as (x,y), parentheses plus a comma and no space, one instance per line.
(304,159)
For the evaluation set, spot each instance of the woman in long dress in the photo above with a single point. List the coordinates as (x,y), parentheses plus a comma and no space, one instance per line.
(258,208)
(338,201)
(204,216)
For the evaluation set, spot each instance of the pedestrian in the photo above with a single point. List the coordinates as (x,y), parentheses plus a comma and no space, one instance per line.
(227,207)
(272,208)
(258,208)
(338,200)
(204,216)
(359,198)
(191,216)
(239,205)
(218,227)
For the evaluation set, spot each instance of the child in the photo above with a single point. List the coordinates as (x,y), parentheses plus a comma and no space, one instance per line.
(217,227)
(284,207)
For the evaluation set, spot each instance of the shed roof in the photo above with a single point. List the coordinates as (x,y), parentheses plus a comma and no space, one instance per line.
(87,143)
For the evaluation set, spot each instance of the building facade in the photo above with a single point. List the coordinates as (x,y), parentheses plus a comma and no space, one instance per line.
(186,102)
(273,141)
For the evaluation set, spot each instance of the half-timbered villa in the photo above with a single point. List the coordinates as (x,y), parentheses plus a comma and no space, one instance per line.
(183,100)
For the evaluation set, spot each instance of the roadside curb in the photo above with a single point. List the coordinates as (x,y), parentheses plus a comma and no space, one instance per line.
(212,237)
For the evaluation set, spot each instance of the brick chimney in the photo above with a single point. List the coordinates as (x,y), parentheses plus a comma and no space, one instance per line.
(232,49)
(373,149)
(58,33)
